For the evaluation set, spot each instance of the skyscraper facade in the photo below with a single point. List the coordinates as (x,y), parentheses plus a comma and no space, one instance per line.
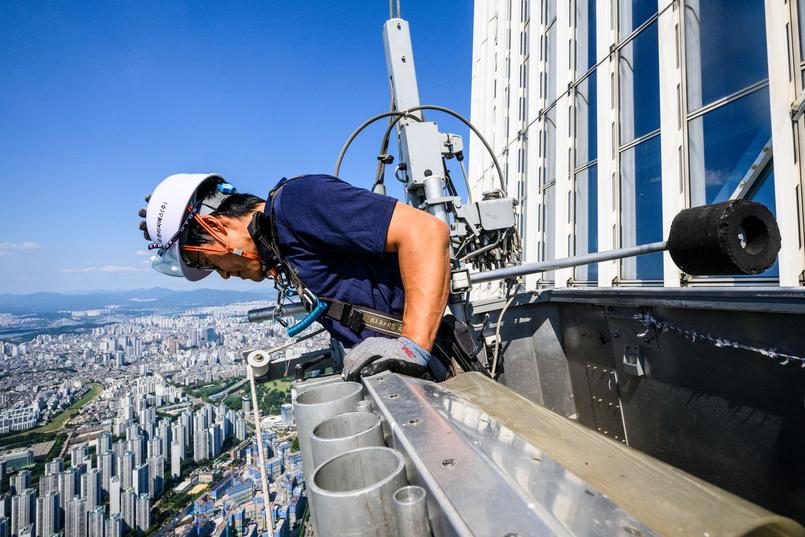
(95,522)
(143,513)
(113,527)
(128,506)
(609,118)
(48,514)
(75,518)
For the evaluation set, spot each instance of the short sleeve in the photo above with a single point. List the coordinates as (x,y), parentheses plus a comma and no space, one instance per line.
(327,213)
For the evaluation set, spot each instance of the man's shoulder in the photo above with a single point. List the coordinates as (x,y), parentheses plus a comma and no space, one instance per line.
(310,188)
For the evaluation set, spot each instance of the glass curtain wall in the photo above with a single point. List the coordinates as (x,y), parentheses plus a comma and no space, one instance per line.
(801,21)
(583,208)
(639,137)
(547,189)
(546,209)
(522,115)
(728,114)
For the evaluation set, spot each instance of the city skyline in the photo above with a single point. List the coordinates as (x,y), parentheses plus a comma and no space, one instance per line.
(145,428)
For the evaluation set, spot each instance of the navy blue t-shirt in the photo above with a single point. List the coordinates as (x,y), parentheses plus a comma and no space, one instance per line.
(335,235)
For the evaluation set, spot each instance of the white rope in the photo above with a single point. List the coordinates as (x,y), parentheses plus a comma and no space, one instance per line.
(261,453)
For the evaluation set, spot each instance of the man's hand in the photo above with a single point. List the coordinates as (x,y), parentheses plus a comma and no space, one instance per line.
(376,354)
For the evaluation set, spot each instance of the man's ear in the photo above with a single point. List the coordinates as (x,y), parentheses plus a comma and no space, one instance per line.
(216,224)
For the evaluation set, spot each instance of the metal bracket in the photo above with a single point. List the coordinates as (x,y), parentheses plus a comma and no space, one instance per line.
(633,361)
(798,107)
(460,281)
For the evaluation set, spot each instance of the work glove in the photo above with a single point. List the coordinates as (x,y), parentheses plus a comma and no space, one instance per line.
(376,354)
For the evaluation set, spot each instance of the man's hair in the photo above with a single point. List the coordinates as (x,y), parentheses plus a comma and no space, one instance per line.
(236,205)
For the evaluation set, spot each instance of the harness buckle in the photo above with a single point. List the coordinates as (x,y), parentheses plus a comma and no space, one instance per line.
(351,318)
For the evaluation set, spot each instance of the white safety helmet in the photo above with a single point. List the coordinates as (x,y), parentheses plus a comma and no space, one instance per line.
(171,208)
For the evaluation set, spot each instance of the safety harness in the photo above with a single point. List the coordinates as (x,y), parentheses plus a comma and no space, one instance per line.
(287,281)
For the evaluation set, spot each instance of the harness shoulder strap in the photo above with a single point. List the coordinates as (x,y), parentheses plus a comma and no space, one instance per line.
(290,273)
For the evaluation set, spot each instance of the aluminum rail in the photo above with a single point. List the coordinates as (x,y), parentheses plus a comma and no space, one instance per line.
(544,266)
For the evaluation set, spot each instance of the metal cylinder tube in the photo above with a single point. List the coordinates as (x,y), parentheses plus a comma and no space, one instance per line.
(411,511)
(352,494)
(434,189)
(343,433)
(318,404)
(364,405)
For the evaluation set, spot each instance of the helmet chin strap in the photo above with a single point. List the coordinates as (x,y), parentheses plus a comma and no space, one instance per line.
(226,248)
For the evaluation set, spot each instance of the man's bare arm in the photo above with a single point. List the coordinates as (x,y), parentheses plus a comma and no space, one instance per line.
(421,242)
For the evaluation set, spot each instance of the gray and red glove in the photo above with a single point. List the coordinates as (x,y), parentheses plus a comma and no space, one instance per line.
(376,354)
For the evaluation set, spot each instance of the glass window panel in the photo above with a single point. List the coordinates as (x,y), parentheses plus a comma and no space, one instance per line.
(586,229)
(801,17)
(639,86)
(763,192)
(633,13)
(586,120)
(550,42)
(641,208)
(548,189)
(723,58)
(724,143)
(585,36)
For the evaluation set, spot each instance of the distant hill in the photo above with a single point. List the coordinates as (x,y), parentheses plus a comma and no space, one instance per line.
(156,298)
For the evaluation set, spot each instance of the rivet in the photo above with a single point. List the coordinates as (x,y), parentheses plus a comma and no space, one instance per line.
(413,421)
(394,396)
(449,463)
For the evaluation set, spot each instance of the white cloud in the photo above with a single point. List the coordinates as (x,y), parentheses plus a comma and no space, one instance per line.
(9,248)
(143,253)
(104,268)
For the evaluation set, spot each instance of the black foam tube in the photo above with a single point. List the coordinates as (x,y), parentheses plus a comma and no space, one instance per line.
(732,237)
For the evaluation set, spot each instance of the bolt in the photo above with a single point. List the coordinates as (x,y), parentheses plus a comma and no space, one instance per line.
(449,463)
(394,396)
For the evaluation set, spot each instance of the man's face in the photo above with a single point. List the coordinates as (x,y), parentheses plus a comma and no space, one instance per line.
(236,235)
(227,265)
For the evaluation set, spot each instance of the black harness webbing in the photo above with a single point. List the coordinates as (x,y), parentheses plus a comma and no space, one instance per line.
(356,318)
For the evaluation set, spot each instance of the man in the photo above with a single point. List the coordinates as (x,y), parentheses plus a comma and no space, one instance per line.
(370,259)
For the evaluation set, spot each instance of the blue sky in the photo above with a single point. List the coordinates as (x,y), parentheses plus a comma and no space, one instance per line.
(101,100)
